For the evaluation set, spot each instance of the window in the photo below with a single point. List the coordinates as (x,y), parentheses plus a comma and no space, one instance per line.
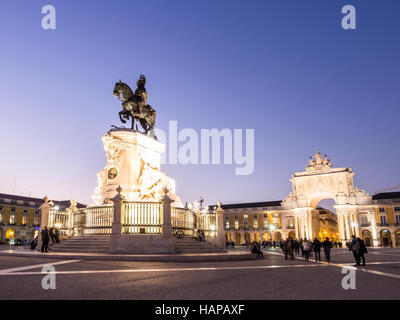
(1,208)
(245,224)
(381,209)
(395,209)
(265,224)
(236,225)
(383,220)
(255,216)
(227,224)
(12,219)
(1,217)
(255,224)
(25,211)
(12,209)
(36,220)
(245,216)
(364,220)
(397,219)
(37,211)
(265,215)
(24,219)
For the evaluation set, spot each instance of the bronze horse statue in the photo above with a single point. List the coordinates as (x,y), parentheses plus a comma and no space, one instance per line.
(134,105)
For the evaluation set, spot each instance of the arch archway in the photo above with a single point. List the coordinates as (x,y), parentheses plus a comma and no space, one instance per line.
(291,235)
(321,181)
(256,236)
(10,234)
(397,235)
(367,237)
(237,239)
(385,237)
(266,236)
(228,237)
(247,237)
(277,236)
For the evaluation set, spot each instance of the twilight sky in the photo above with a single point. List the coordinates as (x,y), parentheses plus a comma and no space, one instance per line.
(284,68)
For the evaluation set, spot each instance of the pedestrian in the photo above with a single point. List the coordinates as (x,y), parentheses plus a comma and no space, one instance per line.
(56,233)
(274,244)
(301,247)
(34,243)
(45,240)
(259,252)
(306,248)
(290,248)
(327,245)
(296,247)
(254,248)
(354,247)
(362,250)
(52,234)
(316,245)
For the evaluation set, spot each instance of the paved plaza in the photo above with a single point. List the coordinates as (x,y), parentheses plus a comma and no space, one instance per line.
(270,278)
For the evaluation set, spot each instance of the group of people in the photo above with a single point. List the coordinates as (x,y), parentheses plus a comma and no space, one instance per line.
(304,247)
(200,235)
(358,247)
(46,235)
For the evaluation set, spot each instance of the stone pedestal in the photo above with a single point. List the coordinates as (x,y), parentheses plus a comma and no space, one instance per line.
(133,163)
(221,240)
(44,218)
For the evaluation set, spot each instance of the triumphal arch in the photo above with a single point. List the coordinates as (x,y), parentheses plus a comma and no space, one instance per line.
(320,181)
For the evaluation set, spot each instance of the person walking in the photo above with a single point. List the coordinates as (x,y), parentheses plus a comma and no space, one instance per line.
(316,245)
(296,247)
(290,248)
(327,245)
(362,250)
(52,234)
(306,249)
(354,247)
(301,247)
(45,240)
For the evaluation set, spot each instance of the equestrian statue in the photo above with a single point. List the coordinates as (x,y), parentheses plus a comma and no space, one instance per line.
(134,105)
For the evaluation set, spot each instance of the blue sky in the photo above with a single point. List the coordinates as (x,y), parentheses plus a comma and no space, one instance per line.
(283,68)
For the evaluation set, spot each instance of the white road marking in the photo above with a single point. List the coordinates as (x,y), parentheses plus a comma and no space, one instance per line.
(8,271)
(170,269)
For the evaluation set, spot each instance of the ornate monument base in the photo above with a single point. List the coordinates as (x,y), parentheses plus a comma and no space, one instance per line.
(133,162)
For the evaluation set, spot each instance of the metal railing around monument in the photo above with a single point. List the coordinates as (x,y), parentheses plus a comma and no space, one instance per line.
(142,218)
(183,219)
(139,218)
(93,220)
(59,219)
(208,223)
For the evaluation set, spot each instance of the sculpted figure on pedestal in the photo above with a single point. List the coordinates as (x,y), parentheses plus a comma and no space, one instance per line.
(134,105)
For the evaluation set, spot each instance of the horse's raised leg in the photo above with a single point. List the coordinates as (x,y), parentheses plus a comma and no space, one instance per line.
(143,123)
(120,116)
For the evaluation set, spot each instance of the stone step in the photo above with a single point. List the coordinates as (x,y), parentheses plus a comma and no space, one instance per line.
(81,250)
(82,241)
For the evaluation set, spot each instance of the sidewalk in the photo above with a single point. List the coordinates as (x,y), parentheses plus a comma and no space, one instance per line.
(199,257)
